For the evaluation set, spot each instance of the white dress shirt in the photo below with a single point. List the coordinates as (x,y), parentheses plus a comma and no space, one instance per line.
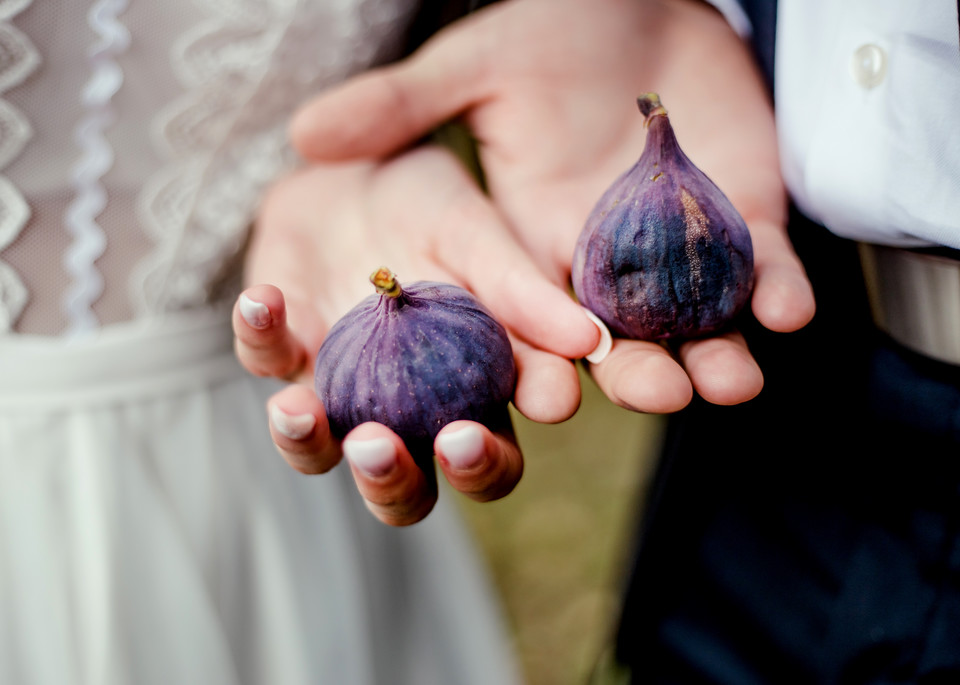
(868,116)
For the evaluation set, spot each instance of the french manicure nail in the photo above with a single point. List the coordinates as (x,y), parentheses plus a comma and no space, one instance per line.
(374,457)
(602,349)
(254,313)
(293,426)
(463,448)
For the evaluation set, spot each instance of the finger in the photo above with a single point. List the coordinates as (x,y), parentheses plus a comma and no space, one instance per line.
(283,249)
(263,342)
(471,240)
(532,306)
(300,431)
(548,387)
(722,369)
(644,377)
(481,464)
(782,296)
(393,487)
(412,96)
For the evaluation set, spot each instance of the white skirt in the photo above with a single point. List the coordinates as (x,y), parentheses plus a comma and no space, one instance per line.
(150,534)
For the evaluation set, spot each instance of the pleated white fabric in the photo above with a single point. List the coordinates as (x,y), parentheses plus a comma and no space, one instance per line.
(150,534)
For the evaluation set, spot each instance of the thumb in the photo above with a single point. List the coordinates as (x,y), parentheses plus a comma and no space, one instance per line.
(386,109)
(783,298)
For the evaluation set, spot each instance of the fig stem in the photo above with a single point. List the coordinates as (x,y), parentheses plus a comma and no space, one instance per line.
(385,281)
(650,106)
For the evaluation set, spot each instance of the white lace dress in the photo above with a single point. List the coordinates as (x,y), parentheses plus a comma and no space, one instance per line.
(149,532)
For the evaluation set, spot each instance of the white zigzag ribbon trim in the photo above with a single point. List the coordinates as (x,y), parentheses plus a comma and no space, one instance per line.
(19,59)
(96,159)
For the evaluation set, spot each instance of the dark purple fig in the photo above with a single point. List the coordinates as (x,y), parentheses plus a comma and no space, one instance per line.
(414,359)
(663,254)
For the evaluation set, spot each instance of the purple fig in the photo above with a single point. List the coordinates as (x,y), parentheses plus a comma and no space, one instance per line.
(663,254)
(415,358)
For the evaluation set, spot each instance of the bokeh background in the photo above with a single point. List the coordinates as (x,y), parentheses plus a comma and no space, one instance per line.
(558,544)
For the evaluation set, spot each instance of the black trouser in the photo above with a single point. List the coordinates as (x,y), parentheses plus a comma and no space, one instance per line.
(813,534)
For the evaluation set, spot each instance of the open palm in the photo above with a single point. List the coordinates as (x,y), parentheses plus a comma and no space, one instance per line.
(547,87)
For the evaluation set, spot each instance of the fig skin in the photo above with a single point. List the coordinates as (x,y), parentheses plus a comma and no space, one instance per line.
(664,254)
(415,358)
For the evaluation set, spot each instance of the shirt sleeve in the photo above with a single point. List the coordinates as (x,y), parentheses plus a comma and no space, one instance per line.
(735,16)
(867,96)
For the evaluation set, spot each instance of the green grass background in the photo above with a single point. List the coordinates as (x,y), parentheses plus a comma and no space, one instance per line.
(557,545)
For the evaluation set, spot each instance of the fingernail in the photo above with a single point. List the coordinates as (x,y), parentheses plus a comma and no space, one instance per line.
(463,448)
(373,457)
(254,313)
(602,349)
(293,426)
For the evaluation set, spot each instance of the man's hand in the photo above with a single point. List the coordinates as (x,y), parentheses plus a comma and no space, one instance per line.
(548,89)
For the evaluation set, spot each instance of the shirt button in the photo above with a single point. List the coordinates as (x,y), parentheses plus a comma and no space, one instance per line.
(869,65)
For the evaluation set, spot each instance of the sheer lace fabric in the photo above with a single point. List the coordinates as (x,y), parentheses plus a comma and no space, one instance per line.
(136,137)
(149,532)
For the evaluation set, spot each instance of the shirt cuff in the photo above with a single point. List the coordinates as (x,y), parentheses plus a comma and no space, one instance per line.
(735,16)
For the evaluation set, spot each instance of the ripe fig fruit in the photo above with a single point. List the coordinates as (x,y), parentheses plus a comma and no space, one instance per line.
(415,358)
(663,254)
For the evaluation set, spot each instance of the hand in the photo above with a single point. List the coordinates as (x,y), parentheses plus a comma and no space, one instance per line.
(548,89)
(319,235)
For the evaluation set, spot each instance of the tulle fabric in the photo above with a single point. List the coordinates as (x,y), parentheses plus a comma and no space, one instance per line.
(150,534)
(137,138)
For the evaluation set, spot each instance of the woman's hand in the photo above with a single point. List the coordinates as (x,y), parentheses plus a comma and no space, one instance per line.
(319,235)
(548,89)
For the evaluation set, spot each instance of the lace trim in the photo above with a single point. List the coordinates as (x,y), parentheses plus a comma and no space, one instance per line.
(226,138)
(220,63)
(90,197)
(18,59)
